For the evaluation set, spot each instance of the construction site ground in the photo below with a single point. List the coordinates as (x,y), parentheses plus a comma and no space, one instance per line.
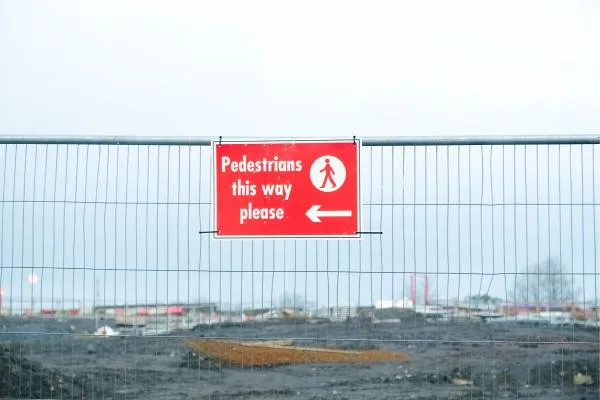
(452,360)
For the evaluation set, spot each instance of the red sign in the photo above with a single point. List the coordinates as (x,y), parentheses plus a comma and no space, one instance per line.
(294,189)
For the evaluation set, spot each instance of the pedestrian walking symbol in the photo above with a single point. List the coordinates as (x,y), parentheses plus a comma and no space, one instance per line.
(327,173)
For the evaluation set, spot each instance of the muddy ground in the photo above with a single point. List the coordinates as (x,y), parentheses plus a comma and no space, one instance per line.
(470,360)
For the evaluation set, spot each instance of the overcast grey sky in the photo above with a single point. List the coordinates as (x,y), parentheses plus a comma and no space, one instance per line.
(265,69)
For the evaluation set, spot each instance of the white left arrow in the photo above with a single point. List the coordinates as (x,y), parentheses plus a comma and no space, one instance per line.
(314,213)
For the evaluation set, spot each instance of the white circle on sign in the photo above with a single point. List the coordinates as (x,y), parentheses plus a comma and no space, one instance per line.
(32,278)
(328,173)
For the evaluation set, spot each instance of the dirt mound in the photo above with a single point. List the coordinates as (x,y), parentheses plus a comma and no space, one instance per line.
(250,354)
(20,378)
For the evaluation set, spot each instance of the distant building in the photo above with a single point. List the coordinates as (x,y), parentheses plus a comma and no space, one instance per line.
(337,313)
(253,314)
(145,310)
(482,302)
(399,303)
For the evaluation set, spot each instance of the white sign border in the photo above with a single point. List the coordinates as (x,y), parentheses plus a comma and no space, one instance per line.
(216,142)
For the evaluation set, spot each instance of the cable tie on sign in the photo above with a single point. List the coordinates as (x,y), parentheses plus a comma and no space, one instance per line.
(368,233)
(354,140)
(203,232)
(220,139)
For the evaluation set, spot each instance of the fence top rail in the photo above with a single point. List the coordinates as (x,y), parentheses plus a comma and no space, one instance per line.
(367,141)
(108,140)
(481,140)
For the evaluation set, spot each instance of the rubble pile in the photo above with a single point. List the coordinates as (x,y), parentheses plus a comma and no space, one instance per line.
(567,372)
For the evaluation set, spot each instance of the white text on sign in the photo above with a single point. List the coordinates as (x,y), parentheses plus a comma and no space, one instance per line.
(239,188)
(262,165)
(251,213)
(246,188)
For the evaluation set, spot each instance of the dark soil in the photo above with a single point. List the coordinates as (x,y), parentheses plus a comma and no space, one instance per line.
(20,378)
(454,360)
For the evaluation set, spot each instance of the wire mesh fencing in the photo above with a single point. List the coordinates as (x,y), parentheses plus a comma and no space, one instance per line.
(483,284)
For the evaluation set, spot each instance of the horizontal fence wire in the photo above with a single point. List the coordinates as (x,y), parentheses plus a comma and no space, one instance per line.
(487,260)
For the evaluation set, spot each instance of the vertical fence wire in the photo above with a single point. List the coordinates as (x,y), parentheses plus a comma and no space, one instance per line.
(96,236)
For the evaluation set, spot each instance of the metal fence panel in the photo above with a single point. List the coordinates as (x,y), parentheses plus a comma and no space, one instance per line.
(488,261)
